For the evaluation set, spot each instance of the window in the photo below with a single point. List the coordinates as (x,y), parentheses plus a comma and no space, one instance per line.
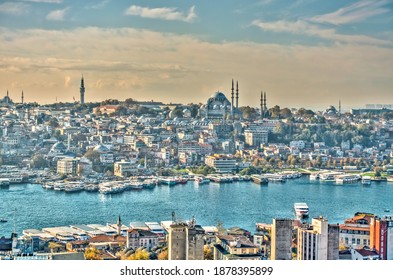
(364,241)
(346,240)
(353,241)
(358,241)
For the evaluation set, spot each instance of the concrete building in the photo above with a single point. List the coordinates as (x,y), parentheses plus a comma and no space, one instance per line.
(281,239)
(221,163)
(124,168)
(137,238)
(364,254)
(255,138)
(355,232)
(67,166)
(230,247)
(185,241)
(381,236)
(313,241)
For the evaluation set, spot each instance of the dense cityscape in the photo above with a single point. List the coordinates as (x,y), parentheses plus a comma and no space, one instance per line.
(116,146)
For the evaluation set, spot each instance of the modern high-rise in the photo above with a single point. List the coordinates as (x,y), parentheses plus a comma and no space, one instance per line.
(318,241)
(281,239)
(185,241)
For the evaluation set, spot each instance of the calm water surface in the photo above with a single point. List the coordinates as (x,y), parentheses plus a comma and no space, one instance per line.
(237,204)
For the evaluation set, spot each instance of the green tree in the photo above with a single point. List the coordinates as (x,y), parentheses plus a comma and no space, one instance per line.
(38,161)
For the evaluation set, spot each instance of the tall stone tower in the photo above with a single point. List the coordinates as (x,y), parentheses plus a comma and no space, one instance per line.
(82,91)
(185,241)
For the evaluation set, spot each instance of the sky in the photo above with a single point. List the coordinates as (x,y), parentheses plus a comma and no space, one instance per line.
(302,53)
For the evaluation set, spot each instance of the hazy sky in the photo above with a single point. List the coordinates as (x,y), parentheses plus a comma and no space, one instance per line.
(302,53)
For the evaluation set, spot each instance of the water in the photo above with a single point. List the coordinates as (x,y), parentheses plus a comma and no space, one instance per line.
(237,204)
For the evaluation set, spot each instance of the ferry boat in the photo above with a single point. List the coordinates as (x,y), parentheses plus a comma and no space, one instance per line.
(74,187)
(149,184)
(258,179)
(366,180)
(168,181)
(4,182)
(301,209)
(201,180)
(347,179)
(328,177)
(91,188)
(276,177)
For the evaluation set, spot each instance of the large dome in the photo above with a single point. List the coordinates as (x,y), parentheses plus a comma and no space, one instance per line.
(218,95)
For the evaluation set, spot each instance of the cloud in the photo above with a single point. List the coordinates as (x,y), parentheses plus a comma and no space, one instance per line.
(67,80)
(356,12)
(99,5)
(14,8)
(162,13)
(44,1)
(141,64)
(57,15)
(303,27)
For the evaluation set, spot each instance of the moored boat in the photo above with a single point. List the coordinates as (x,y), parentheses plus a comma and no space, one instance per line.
(301,209)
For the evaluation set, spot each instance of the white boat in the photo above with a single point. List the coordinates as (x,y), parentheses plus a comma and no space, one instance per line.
(366,180)
(202,180)
(343,179)
(301,209)
(4,182)
(314,176)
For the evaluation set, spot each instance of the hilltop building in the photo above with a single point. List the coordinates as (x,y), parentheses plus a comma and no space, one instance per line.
(218,107)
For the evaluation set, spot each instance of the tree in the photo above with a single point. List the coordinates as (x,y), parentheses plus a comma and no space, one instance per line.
(207,253)
(220,228)
(38,161)
(163,255)
(140,254)
(93,156)
(92,254)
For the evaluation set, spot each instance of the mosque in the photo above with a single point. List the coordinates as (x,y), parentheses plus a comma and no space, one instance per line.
(218,107)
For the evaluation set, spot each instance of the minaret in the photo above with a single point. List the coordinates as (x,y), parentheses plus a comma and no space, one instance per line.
(22,97)
(339,107)
(232,99)
(8,97)
(237,95)
(118,225)
(264,103)
(262,112)
(82,91)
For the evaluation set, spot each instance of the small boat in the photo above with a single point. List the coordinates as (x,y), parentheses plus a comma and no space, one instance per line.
(366,180)
(3,220)
(258,179)
(301,209)
(386,210)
